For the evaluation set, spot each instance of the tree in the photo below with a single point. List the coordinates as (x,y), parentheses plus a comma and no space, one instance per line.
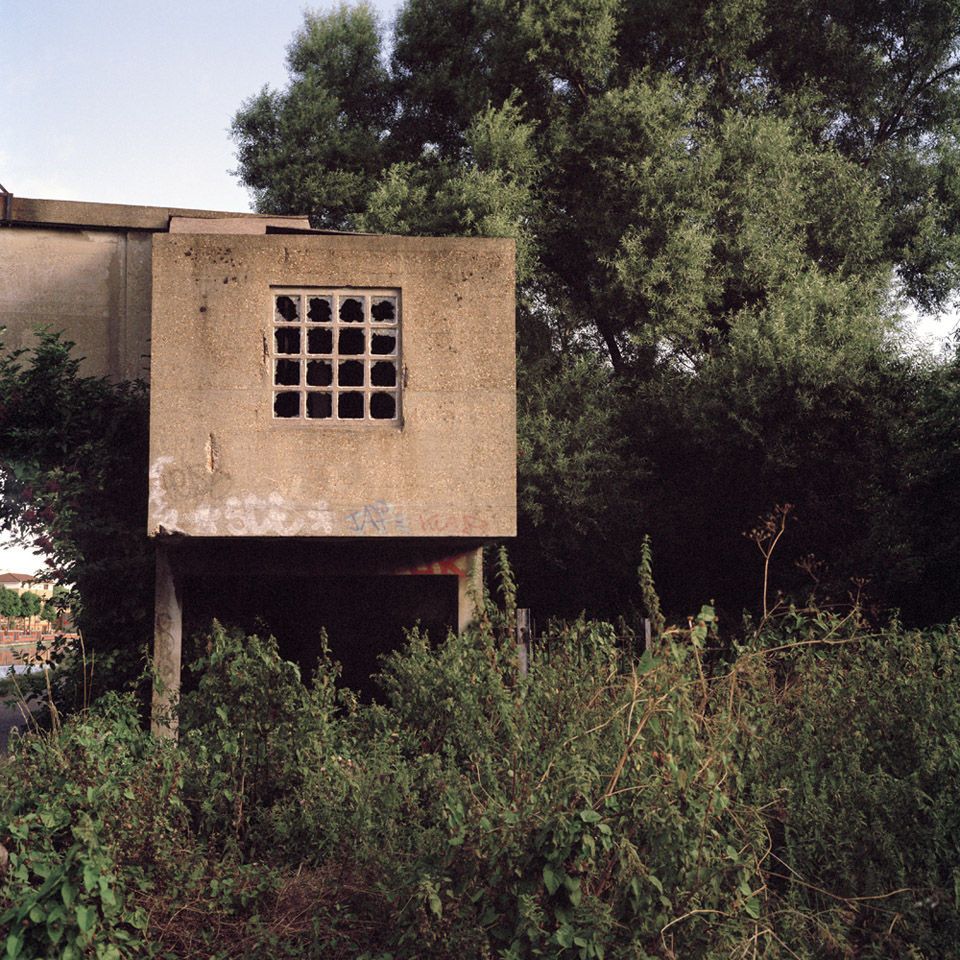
(721,203)
(318,149)
(30,604)
(634,109)
(73,462)
(10,607)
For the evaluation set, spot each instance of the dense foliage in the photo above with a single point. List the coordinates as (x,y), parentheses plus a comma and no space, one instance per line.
(790,797)
(17,606)
(73,467)
(720,207)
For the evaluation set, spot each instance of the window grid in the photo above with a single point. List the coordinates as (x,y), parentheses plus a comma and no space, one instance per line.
(335,355)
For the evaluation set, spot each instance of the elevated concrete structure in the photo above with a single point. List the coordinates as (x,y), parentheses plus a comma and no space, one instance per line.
(330,404)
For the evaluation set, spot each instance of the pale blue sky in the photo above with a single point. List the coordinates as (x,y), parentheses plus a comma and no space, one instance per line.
(125,101)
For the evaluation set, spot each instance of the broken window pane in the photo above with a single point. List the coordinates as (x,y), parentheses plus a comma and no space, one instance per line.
(383,406)
(286,405)
(319,373)
(288,340)
(336,354)
(351,310)
(351,373)
(351,342)
(319,341)
(288,308)
(320,310)
(383,374)
(384,309)
(319,406)
(350,406)
(287,373)
(383,344)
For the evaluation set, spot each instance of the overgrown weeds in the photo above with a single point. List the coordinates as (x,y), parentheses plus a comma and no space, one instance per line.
(791,798)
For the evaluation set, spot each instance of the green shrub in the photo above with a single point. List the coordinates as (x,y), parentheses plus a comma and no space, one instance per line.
(90,817)
(248,731)
(791,797)
(857,759)
(585,808)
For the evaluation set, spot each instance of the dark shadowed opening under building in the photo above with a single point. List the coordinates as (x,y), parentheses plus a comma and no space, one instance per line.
(364,617)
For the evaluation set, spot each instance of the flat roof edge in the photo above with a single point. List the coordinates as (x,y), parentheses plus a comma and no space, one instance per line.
(80,213)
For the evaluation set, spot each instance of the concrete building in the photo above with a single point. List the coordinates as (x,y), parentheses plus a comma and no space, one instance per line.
(20,583)
(325,409)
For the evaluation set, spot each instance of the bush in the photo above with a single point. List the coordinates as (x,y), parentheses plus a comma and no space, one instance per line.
(857,760)
(586,809)
(247,731)
(787,794)
(90,817)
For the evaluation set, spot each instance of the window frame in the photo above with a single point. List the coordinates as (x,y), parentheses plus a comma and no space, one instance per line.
(367,358)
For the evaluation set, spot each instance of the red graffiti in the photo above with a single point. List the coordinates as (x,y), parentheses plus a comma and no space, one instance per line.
(452,524)
(458,566)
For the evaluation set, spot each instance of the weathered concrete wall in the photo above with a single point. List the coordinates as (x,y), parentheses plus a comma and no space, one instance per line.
(85,269)
(92,284)
(222,465)
(122,216)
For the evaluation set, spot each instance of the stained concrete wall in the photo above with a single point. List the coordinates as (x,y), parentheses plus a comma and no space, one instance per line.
(94,285)
(85,269)
(223,466)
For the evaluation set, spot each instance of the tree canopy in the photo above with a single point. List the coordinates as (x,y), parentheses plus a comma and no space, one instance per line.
(721,209)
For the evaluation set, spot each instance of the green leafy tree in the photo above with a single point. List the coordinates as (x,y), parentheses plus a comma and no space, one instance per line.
(317,148)
(10,606)
(722,203)
(73,461)
(30,604)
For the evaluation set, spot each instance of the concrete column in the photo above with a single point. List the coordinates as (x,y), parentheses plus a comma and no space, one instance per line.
(167,641)
(470,589)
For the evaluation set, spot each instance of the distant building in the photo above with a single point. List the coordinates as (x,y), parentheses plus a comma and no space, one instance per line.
(22,582)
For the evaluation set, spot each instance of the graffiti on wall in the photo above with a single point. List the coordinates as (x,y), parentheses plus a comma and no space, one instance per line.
(450,524)
(182,500)
(376,518)
(251,515)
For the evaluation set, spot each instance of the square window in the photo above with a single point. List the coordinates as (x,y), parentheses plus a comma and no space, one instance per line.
(351,310)
(287,373)
(383,406)
(319,373)
(336,355)
(383,344)
(320,310)
(319,341)
(288,309)
(288,340)
(384,309)
(351,342)
(286,405)
(350,406)
(351,373)
(383,374)
(319,406)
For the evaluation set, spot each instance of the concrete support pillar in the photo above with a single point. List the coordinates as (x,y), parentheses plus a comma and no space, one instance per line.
(167,641)
(470,589)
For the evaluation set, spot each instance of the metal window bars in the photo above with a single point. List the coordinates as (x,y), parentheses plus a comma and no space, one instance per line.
(335,355)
